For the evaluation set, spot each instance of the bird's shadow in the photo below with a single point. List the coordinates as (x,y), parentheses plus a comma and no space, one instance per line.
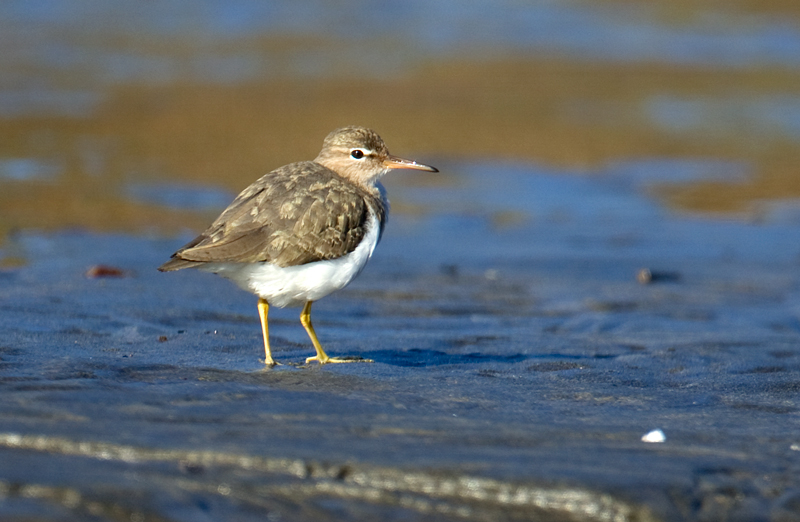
(417,357)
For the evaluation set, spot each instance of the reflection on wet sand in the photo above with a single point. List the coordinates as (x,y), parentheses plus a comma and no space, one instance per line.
(296,482)
(73,171)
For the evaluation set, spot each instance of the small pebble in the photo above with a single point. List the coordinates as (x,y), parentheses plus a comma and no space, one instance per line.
(646,276)
(190,468)
(449,270)
(104,271)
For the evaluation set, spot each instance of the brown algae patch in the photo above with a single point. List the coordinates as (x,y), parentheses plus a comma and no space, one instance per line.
(579,115)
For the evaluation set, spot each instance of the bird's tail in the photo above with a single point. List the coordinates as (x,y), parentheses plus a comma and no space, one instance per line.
(176,263)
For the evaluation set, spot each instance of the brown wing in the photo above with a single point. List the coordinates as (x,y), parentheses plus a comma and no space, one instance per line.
(294,215)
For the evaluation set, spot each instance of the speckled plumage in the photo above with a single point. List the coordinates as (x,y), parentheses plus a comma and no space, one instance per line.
(297,214)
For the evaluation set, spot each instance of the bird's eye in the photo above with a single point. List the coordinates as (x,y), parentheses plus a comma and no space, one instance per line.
(357,153)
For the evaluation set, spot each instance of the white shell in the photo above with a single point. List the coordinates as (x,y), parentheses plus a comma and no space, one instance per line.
(655,436)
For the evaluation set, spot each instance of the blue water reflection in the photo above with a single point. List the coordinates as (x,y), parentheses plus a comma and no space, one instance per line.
(29,169)
(181,37)
(177,196)
(722,116)
(586,215)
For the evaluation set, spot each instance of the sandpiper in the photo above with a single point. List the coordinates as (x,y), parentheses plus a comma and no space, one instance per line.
(302,231)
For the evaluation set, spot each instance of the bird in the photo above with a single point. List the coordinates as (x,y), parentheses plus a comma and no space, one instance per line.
(302,231)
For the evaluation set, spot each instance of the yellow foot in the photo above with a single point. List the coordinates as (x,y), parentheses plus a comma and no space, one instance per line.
(343,359)
(272,363)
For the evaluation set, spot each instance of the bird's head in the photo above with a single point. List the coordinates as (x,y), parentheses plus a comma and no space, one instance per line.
(359,154)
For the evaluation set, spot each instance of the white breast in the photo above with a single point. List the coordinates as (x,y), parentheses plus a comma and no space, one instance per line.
(295,285)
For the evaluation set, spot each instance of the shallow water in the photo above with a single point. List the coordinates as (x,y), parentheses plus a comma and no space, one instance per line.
(111,114)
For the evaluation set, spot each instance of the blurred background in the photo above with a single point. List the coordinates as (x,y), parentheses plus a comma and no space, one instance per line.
(148,117)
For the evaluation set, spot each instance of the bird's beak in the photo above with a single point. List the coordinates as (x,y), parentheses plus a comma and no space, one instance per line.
(393,162)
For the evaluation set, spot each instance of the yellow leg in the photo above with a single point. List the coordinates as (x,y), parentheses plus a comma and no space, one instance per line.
(321,357)
(263,309)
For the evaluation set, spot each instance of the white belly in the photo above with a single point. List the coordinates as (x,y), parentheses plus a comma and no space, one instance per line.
(295,285)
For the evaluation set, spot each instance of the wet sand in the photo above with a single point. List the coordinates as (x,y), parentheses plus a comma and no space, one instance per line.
(517,367)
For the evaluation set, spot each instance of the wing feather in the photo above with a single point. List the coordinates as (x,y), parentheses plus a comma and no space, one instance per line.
(297,214)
